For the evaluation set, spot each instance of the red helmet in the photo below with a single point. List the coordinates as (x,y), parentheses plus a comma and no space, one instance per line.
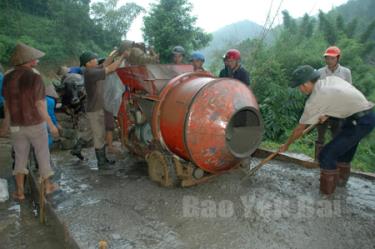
(233,54)
(333,51)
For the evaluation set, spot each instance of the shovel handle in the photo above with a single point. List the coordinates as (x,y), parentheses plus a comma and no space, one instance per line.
(263,162)
(273,155)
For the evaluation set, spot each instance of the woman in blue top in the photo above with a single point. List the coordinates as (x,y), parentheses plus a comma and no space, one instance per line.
(51,98)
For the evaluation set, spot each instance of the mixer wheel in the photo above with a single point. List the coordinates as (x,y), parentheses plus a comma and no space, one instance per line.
(161,169)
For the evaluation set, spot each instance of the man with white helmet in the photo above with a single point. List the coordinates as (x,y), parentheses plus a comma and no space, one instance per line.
(178,53)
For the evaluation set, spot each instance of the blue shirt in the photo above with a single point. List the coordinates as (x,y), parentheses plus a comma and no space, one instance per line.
(76,70)
(51,103)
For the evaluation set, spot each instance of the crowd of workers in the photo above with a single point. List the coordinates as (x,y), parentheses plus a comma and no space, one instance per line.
(29,107)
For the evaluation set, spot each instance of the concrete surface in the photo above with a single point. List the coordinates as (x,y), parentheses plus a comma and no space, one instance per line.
(19,223)
(278,208)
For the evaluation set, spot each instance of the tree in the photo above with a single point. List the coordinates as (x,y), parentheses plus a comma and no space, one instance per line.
(115,21)
(306,27)
(351,28)
(327,28)
(340,24)
(170,23)
(367,34)
(63,29)
(289,23)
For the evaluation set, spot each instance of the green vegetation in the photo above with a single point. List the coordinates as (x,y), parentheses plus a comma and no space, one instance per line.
(303,41)
(170,23)
(63,29)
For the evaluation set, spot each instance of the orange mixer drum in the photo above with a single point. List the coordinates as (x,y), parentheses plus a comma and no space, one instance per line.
(213,122)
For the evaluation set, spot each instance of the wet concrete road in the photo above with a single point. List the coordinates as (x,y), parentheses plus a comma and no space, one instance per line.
(278,208)
(19,225)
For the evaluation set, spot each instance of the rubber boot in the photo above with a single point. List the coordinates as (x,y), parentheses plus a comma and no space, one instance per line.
(103,162)
(109,161)
(344,173)
(77,150)
(328,181)
(318,147)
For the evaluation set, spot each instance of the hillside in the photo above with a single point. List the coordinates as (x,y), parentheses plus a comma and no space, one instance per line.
(229,35)
(362,10)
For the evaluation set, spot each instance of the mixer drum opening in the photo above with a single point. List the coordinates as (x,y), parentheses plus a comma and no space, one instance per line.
(244,132)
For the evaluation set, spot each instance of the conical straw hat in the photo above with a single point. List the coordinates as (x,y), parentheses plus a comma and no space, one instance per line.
(23,54)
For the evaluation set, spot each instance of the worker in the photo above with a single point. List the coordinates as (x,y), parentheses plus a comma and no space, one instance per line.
(51,100)
(109,120)
(197,60)
(225,72)
(26,115)
(332,57)
(236,71)
(333,97)
(178,54)
(94,77)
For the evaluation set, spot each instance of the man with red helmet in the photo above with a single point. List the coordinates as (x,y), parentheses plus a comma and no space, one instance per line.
(236,71)
(332,68)
(225,71)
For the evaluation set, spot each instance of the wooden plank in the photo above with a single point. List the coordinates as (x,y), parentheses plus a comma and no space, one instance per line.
(263,153)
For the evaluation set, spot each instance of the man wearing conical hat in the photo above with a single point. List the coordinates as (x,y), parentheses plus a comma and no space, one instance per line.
(26,116)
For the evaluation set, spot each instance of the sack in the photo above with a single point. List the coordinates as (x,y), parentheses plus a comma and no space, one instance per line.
(112,96)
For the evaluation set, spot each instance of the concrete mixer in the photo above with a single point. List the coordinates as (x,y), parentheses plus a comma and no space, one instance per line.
(188,126)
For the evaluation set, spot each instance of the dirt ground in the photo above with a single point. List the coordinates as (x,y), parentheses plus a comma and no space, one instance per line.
(280,207)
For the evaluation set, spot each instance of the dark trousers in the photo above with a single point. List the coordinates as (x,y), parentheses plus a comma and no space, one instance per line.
(344,145)
(333,124)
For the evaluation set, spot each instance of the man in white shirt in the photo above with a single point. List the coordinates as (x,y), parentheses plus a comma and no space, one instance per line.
(333,68)
(333,97)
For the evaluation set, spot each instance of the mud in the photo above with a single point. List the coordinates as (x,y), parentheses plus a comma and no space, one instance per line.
(280,207)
